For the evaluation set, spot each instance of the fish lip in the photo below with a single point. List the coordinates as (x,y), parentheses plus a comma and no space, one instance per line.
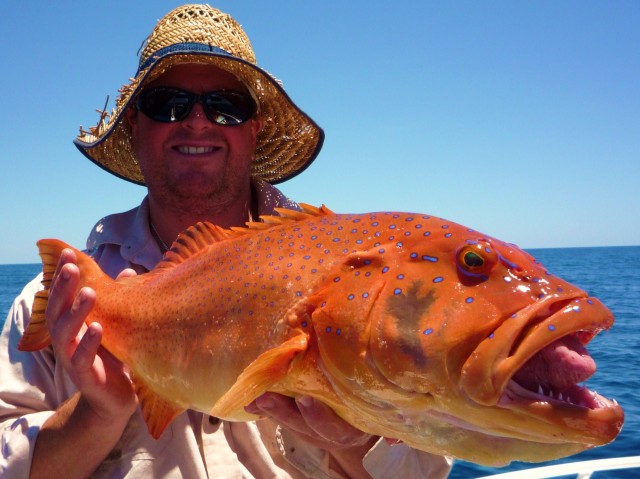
(583,400)
(494,364)
(581,315)
(496,360)
(595,421)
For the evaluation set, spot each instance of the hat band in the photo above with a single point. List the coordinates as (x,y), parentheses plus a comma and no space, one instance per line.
(188,47)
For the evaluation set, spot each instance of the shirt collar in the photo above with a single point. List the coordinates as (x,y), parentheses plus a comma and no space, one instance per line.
(131,231)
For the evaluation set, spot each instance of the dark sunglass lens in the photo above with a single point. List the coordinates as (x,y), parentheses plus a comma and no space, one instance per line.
(228,107)
(165,104)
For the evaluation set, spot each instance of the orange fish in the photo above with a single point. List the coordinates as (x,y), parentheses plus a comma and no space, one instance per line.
(408,326)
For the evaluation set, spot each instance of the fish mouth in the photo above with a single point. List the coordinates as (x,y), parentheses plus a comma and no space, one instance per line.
(533,364)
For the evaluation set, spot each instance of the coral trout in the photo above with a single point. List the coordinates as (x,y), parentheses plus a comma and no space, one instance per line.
(407,325)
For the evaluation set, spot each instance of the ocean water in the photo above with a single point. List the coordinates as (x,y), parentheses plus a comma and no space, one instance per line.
(609,273)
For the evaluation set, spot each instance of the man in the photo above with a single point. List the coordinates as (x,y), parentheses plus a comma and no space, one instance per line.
(208,133)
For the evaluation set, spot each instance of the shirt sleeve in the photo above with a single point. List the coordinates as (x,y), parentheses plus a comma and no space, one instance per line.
(381,462)
(27,389)
(384,461)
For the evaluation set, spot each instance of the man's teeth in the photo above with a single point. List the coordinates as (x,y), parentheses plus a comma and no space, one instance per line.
(195,150)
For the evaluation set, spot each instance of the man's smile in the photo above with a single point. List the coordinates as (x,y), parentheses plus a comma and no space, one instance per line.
(195,150)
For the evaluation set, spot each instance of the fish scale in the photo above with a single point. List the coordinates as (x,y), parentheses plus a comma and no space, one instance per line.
(409,326)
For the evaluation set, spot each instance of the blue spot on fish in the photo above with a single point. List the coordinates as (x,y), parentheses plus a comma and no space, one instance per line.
(427,331)
(438,279)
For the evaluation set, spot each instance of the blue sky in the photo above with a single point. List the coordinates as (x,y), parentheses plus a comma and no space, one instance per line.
(520,119)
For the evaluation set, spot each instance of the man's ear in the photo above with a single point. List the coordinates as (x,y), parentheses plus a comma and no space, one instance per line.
(256,126)
(130,116)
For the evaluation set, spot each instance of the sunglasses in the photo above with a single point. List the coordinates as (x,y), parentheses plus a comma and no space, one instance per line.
(222,107)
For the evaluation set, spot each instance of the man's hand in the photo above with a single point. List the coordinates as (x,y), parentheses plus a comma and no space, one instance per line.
(99,412)
(317,424)
(100,378)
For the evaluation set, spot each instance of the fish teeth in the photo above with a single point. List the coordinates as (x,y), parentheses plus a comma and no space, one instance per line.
(553,395)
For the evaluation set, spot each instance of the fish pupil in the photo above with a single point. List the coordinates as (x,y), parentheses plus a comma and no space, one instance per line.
(473,260)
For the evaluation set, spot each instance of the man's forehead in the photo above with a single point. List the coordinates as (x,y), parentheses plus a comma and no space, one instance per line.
(198,75)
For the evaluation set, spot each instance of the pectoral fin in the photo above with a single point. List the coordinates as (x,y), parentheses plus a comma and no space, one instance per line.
(259,377)
(156,411)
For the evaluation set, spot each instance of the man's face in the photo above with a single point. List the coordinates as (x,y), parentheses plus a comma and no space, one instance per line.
(195,159)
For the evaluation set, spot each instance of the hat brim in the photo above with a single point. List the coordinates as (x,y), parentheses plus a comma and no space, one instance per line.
(287,144)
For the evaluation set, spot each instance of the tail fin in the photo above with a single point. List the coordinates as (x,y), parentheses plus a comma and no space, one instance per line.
(36,334)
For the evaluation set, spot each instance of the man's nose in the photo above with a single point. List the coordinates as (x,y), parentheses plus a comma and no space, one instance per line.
(197,119)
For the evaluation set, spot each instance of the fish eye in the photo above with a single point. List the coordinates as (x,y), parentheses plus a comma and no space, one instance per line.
(477,259)
(471,259)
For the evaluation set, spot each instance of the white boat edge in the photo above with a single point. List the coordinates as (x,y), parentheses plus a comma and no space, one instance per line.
(582,469)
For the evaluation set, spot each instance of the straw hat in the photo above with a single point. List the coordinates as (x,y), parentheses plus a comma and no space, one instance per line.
(289,140)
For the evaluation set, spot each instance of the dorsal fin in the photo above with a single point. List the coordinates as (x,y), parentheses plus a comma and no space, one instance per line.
(285,215)
(310,210)
(191,241)
(203,234)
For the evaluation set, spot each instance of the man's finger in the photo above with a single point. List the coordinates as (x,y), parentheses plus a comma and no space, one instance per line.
(85,354)
(327,424)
